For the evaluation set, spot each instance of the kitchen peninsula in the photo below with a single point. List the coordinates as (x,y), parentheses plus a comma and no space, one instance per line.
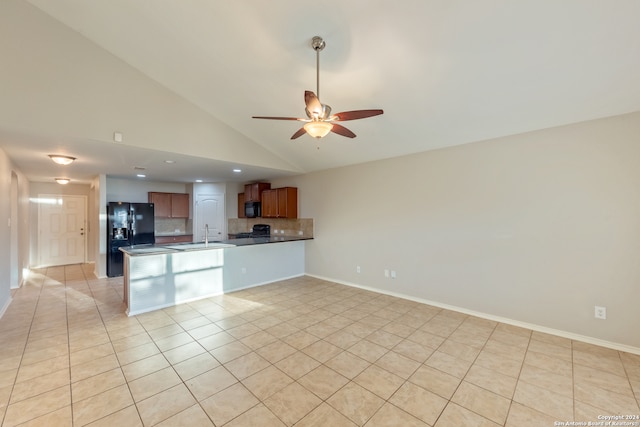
(159,276)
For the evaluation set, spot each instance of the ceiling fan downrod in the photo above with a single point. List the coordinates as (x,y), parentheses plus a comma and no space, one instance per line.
(317,43)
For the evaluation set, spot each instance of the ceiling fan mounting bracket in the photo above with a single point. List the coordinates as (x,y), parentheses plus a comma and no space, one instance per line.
(317,43)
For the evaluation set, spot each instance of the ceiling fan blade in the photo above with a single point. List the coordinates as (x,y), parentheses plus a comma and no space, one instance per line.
(299,133)
(356,114)
(341,130)
(276,118)
(314,107)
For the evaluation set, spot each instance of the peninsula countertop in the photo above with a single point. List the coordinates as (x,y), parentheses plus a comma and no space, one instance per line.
(217,244)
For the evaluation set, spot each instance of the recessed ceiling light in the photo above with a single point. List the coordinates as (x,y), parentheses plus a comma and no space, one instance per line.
(141,175)
(61,160)
(63,181)
(170,161)
(198,180)
(237,170)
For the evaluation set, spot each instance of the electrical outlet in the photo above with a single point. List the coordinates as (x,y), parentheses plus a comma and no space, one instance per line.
(600,312)
(244,270)
(357,269)
(386,273)
(393,274)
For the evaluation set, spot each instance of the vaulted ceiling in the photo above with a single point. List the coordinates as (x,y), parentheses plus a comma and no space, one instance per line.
(445,72)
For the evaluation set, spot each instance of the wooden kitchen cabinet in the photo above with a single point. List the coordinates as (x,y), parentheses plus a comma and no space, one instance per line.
(161,204)
(241,206)
(270,203)
(280,203)
(287,202)
(253,192)
(179,205)
(170,205)
(183,238)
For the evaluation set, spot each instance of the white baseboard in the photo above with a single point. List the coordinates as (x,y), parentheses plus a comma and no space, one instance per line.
(532,326)
(5,307)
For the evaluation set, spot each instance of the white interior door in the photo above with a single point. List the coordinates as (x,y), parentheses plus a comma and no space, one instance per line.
(61,230)
(209,211)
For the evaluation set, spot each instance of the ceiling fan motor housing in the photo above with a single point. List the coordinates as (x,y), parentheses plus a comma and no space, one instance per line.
(323,114)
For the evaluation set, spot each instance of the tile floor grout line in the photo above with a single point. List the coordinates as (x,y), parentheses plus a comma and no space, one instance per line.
(24,349)
(114,353)
(449,400)
(66,307)
(513,395)
(272,300)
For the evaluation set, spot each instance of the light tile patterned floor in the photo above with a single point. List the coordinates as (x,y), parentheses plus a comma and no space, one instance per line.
(301,352)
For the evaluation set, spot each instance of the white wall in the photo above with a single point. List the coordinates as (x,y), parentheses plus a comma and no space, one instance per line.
(137,191)
(98,201)
(5,230)
(65,86)
(538,227)
(233,188)
(19,245)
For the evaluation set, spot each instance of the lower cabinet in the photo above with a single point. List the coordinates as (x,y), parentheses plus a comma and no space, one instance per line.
(184,238)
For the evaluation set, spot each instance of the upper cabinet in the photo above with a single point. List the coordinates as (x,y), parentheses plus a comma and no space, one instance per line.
(179,205)
(280,203)
(241,206)
(162,204)
(253,192)
(270,203)
(170,205)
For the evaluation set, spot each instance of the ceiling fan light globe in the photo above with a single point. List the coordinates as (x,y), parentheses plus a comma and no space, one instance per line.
(318,129)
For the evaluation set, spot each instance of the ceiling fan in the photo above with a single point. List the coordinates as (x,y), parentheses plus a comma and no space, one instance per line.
(320,121)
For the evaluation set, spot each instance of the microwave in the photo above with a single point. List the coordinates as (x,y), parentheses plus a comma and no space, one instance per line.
(252,209)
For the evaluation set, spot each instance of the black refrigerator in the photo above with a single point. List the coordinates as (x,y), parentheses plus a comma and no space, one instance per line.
(128,224)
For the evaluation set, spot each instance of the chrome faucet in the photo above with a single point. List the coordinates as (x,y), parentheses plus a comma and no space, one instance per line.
(206,234)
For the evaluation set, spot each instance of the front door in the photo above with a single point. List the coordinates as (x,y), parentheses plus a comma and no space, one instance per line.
(61,229)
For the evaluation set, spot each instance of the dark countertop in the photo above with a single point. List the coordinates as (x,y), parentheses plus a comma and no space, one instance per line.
(262,240)
(178,247)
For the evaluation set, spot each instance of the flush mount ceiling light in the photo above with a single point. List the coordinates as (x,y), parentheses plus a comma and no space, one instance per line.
(320,121)
(63,181)
(61,160)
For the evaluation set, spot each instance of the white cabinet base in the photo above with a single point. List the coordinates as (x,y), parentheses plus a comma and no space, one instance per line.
(156,281)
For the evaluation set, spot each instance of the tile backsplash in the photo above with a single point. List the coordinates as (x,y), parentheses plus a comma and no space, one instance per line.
(284,227)
(172,226)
